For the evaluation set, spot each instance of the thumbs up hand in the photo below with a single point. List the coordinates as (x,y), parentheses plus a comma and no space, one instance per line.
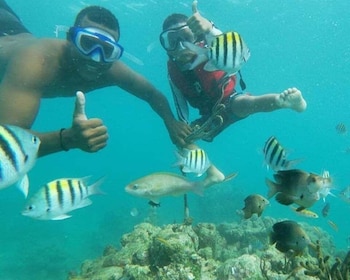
(198,24)
(79,111)
(89,135)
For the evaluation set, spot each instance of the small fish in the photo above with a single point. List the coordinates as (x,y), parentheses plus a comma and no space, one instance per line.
(333,225)
(161,184)
(341,128)
(193,161)
(297,186)
(325,209)
(54,200)
(275,155)
(345,194)
(289,236)
(227,52)
(18,154)
(254,203)
(305,213)
(327,187)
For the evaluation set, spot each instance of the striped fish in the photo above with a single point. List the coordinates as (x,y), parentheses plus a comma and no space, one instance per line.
(54,200)
(193,161)
(275,155)
(18,153)
(228,52)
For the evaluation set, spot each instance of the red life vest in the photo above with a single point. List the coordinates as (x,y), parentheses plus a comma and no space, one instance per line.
(201,88)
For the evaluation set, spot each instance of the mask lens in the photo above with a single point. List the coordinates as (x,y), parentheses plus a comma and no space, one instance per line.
(170,38)
(87,40)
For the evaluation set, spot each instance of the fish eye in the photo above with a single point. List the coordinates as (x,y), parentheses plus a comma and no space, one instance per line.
(31,207)
(48,210)
(34,139)
(135,187)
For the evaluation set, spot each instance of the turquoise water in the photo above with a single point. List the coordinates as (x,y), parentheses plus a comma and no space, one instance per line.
(293,43)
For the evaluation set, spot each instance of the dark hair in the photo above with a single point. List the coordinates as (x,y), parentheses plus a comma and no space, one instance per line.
(99,15)
(174,19)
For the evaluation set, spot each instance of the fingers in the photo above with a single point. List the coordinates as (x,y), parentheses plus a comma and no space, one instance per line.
(79,110)
(194,7)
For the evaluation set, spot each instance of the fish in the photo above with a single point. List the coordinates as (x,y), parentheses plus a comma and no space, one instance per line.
(325,209)
(162,184)
(296,186)
(345,194)
(18,154)
(275,155)
(341,128)
(333,225)
(305,213)
(288,236)
(57,198)
(227,51)
(326,189)
(254,203)
(193,161)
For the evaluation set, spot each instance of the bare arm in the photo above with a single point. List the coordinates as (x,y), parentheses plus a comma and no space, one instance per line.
(21,90)
(141,88)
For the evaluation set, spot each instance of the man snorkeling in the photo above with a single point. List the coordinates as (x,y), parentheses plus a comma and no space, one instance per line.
(197,78)
(32,69)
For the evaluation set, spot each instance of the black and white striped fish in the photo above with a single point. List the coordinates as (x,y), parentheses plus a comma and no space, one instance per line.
(193,161)
(227,52)
(275,155)
(54,200)
(18,154)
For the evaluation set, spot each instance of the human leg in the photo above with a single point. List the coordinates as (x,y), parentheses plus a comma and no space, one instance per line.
(245,105)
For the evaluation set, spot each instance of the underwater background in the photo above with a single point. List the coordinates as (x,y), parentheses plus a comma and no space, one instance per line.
(301,43)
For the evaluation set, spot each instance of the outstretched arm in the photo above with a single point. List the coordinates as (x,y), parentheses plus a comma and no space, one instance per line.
(141,88)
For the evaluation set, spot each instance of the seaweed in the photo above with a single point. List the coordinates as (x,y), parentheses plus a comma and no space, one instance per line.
(324,270)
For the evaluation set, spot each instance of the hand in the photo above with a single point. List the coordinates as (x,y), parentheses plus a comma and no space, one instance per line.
(89,135)
(178,131)
(198,24)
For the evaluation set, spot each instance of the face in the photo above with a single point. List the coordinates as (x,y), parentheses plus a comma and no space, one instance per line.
(85,65)
(172,41)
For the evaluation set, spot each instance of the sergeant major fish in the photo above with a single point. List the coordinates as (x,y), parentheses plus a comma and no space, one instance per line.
(193,161)
(160,184)
(275,155)
(54,200)
(227,52)
(18,154)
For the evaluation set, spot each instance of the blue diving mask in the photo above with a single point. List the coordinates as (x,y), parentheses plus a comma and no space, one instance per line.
(95,43)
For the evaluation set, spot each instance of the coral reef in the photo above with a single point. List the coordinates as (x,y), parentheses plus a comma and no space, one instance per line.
(207,251)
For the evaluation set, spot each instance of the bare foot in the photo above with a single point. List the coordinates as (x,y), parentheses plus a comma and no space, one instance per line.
(214,176)
(292,98)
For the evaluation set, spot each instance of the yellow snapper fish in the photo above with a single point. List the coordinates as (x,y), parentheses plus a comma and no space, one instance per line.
(305,213)
(254,203)
(18,154)
(297,186)
(227,52)
(160,184)
(54,200)
(193,161)
(288,236)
